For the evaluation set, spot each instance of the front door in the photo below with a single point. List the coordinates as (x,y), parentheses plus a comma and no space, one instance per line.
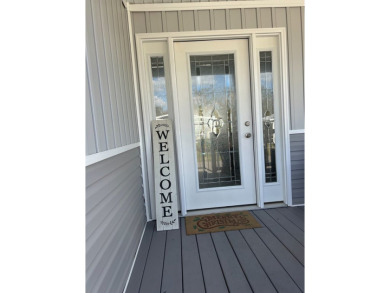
(214,99)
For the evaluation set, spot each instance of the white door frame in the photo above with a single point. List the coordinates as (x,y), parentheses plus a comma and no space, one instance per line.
(145,99)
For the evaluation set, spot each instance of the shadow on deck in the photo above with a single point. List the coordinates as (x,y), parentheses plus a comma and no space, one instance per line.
(267,259)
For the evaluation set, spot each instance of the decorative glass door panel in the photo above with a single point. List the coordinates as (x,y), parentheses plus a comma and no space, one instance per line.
(215,120)
(273,185)
(267,96)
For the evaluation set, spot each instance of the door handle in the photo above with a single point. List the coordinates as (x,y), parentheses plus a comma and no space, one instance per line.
(248,135)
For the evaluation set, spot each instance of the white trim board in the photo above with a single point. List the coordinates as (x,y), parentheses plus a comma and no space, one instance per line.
(212,5)
(296,131)
(95,158)
(138,103)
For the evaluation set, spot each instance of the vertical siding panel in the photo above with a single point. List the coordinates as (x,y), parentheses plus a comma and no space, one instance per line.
(121,60)
(102,67)
(117,102)
(180,18)
(220,19)
(132,104)
(235,18)
(147,18)
(212,21)
(139,22)
(196,18)
(126,57)
(156,22)
(266,17)
(296,77)
(250,18)
(228,25)
(243,20)
(92,66)
(172,21)
(204,20)
(258,14)
(188,20)
(303,41)
(164,21)
(118,73)
(280,19)
(90,139)
(107,36)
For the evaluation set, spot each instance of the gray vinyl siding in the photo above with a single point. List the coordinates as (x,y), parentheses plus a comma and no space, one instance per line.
(241,18)
(115,219)
(297,149)
(111,117)
(115,207)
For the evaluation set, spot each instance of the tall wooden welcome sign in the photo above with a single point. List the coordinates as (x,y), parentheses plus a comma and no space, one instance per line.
(164,175)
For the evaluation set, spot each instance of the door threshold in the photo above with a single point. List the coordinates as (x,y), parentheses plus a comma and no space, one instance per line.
(277,204)
(220,210)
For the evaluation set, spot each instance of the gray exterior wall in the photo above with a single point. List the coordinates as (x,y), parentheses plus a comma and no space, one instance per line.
(115,208)
(221,19)
(297,149)
(111,118)
(115,219)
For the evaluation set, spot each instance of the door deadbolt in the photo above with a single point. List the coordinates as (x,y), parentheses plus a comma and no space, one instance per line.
(247,123)
(248,135)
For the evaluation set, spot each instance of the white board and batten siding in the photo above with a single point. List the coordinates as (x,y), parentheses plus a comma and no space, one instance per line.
(115,206)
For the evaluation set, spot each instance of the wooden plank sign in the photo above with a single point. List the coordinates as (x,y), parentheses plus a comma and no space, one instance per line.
(164,175)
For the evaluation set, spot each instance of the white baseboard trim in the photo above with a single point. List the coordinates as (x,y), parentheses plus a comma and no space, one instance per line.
(93,159)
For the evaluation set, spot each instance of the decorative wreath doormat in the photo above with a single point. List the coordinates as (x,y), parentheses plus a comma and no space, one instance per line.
(220,222)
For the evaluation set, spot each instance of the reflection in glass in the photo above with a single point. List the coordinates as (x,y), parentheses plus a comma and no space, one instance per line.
(215,120)
(268,115)
(159,87)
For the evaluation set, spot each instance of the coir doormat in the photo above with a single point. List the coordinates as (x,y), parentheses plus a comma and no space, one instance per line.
(220,222)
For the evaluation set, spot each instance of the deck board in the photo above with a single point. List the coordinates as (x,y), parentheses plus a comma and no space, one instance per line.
(275,271)
(292,266)
(151,280)
(290,242)
(290,227)
(212,273)
(255,274)
(292,215)
(192,270)
(267,259)
(139,264)
(172,277)
(234,276)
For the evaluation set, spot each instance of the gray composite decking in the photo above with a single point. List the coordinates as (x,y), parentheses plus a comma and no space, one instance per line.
(267,259)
